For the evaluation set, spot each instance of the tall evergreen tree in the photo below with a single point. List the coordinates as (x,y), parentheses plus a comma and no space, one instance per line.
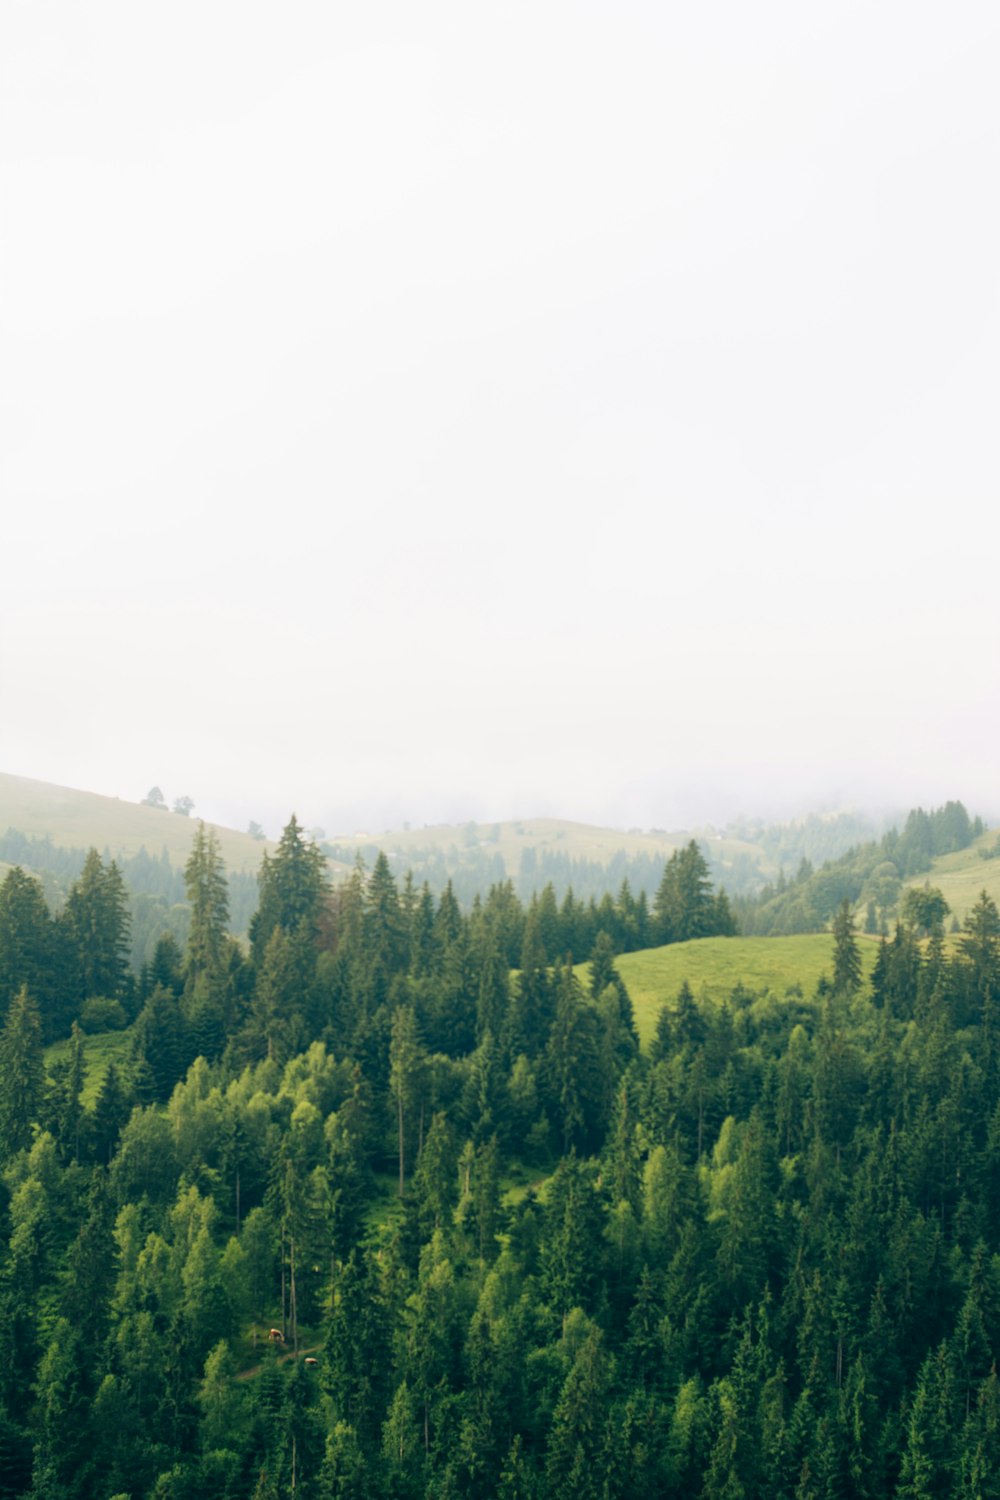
(405,1068)
(208,899)
(293,885)
(846,954)
(22,1073)
(685,907)
(571,1065)
(385,935)
(98,922)
(28,945)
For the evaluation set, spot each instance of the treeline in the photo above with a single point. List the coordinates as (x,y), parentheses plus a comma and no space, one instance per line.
(871,875)
(75,961)
(154,887)
(759,1259)
(816,838)
(471,869)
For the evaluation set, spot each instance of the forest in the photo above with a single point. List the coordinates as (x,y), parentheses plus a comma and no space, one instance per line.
(386,1200)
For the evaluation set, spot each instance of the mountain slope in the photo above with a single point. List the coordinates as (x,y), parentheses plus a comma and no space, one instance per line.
(963,875)
(75,819)
(715,966)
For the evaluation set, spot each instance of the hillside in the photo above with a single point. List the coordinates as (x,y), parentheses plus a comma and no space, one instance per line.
(511,838)
(80,820)
(715,966)
(536,850)
(963,875)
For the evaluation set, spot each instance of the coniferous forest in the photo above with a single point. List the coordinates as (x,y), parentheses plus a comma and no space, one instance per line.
(387,1201)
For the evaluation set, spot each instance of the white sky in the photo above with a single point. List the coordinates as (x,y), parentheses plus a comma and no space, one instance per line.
(427,410)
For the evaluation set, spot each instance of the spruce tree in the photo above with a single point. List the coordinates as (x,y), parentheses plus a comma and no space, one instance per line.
(293,885)
(28,941)
(22,1073)
(208,899)
(846,954)
(98,922)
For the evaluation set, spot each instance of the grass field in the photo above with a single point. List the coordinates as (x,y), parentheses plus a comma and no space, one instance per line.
(79,820)
(962,876)
(714,966)
(99,1050)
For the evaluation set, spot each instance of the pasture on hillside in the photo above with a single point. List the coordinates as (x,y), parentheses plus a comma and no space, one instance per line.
(963,876)
(715,966)
(98,1051)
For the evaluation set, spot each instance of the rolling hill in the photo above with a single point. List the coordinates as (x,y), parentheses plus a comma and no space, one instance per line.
(80,820)
(715,966)
(510,839)
(963,875)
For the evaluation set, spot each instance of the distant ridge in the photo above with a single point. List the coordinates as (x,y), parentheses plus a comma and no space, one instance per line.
(513,836)
(77,819)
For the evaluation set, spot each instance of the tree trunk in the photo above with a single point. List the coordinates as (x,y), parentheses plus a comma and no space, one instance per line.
(295,1308)
(284,1317)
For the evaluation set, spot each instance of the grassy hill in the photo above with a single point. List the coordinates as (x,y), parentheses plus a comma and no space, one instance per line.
(714,966)
(74,819)
(98,1051)
(962,876)
(577,841)
(78,819)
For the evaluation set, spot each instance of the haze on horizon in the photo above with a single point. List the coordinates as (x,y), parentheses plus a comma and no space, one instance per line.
(439,412)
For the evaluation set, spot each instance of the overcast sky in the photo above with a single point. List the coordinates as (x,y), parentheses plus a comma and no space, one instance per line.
(426,411)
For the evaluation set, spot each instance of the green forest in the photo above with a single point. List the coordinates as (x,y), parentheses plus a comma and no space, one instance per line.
(385,1200)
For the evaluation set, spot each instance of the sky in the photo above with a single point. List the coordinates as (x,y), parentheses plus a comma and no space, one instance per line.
(453,411)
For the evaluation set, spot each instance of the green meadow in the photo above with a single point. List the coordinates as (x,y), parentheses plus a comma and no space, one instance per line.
(963,876)
(715,966)
(98,1051)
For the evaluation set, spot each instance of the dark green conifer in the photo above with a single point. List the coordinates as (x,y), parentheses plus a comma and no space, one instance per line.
(22,1074)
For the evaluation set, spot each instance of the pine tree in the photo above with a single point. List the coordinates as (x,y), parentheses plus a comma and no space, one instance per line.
(405,1064)
(385,935)
(70,1105)
(494,988)
(357,1358)
(97,921)
(111,1112)
(22,1074)
(571,1064)
(533,1008)
(293,885)
(28,946)
(62,1450)
(573,1224)
(576,1463)
(685,907)
(208,898)
(435,1177)
(89,1276)
(846,954)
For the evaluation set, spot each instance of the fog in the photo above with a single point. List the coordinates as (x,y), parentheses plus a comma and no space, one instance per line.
(441,412)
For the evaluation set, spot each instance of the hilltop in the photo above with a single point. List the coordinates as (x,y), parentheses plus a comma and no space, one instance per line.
(75,819)
(534,851)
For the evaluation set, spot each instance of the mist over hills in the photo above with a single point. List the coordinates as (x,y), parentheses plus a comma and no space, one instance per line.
(775,872)
(531,850)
